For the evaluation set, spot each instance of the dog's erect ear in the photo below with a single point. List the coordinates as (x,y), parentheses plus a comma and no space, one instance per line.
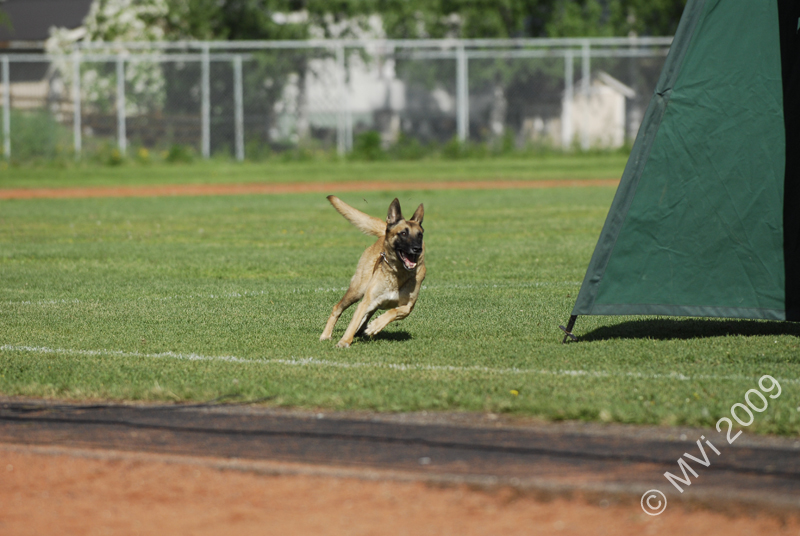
(395,215)
(418,214)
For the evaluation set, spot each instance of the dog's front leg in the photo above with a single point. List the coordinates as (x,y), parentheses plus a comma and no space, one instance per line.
(364,323)
(364,309)
(398,313)
(408,298)
(350,297)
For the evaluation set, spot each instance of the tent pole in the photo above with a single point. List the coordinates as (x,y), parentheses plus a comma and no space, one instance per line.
(568,330)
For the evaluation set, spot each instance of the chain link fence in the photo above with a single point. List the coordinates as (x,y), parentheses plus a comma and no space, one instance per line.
(249,99)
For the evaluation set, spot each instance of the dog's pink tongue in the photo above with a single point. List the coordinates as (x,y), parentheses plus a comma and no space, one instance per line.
(409,263)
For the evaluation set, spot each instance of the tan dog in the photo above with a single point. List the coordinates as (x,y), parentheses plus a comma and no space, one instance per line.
(389,274)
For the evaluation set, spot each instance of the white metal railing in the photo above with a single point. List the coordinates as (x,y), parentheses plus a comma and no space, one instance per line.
(235,52)
(575,42)
(6,107)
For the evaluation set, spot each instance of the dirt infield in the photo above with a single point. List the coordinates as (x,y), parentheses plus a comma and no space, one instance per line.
(146,469)
(288,188)
(80,493)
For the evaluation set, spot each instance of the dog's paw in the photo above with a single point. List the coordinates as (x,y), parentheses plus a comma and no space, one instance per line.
(372,329)
(342,344)
(324,337)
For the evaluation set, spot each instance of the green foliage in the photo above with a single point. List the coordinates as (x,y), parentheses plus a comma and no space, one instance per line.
(408,148)
(528,18)
(256,151)
(5,20)
(506,144)
(299,19)
(36,135)
(265,19)
(115,157)
(294,19)
(194,19)
(587,18)
(598,18)
(368,146)
(454,149)
(179,154)
(142,155)
(647,17)
(105,153)
(465,18)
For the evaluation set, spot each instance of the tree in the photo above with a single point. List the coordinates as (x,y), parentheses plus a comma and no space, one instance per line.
(590,18)
(409,19)
(110,21)
(528,18)
(5,20)
(648,17)
(235,20)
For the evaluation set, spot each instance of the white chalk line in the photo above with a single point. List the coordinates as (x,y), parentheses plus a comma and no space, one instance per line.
(402,367)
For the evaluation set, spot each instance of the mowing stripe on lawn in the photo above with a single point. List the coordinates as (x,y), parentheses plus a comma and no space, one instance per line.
(402,367)
(248,294)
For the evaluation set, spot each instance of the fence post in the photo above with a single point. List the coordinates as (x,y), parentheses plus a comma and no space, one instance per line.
(566,108)
(462,94)
(341,144)
(121,127)
(6,109)
(586,76)
(238,103)
(76,103)
(348,116)
(206,103)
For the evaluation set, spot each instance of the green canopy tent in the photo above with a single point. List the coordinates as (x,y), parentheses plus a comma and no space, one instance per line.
(706,219)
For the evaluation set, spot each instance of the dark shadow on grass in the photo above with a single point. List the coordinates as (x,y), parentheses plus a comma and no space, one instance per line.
(665,329)
(396,336)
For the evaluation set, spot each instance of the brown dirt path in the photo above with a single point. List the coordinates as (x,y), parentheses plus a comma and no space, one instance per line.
(289,188)
(99,492)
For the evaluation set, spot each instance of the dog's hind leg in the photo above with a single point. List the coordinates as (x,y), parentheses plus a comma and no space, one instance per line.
(350,297)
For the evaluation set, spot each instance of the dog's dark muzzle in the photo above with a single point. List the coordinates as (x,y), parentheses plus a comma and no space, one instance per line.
(410,258)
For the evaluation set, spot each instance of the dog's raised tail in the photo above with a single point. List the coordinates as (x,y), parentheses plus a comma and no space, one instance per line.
(365,223)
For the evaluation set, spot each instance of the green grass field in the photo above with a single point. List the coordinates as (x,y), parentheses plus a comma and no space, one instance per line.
(194,298)
(592,166)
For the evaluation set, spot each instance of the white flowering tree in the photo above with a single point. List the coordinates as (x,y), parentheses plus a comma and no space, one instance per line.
(110,21)
(172,90)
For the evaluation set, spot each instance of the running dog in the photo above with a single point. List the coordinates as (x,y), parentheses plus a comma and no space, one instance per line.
(389,274)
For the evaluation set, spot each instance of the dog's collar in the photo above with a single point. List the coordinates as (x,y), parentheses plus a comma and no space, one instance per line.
(383,257)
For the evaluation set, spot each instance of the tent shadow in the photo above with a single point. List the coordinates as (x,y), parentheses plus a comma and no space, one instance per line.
(666,329)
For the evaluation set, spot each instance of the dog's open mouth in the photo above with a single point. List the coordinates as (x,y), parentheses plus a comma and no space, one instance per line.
(409,259)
